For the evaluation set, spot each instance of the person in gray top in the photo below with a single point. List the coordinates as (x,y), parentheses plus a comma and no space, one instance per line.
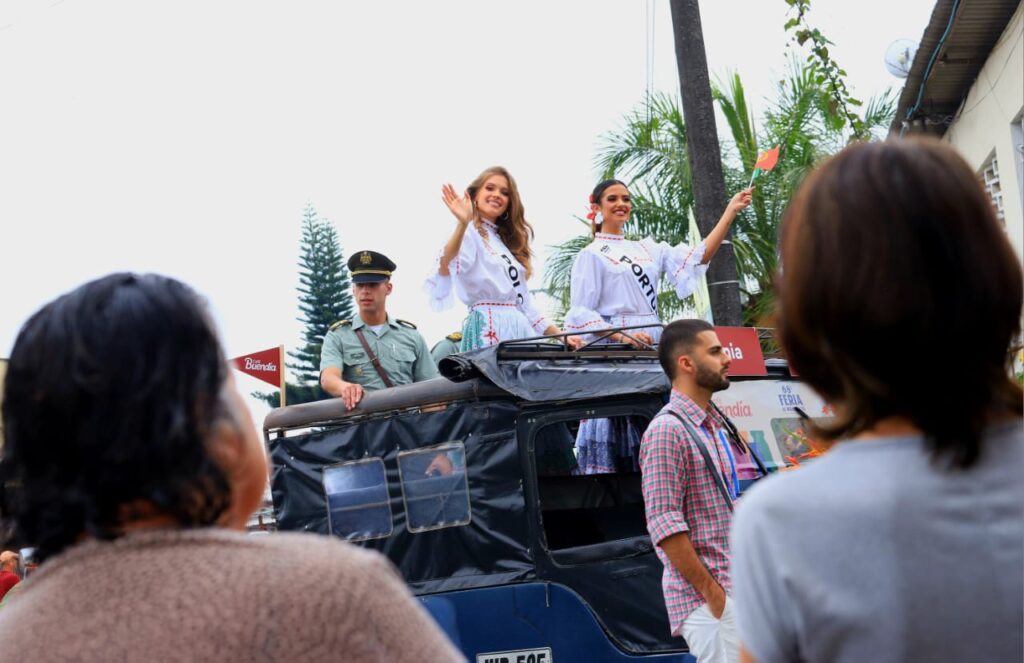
(373,351)
(899,300)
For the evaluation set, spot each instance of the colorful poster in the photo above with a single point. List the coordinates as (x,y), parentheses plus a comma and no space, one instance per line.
(765,412)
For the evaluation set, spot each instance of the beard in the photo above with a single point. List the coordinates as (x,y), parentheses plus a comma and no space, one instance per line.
(710,379)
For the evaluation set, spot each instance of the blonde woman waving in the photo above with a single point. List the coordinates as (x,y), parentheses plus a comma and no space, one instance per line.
(486,263)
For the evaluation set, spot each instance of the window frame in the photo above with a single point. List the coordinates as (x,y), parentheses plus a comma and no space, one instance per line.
(530,422)
(387,501)
(440,447)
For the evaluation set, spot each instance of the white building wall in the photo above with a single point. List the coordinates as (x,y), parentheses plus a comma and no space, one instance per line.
(989,123)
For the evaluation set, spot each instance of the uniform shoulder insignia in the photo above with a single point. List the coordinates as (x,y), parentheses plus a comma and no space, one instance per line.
(405,323)
(454,336)
(339,323)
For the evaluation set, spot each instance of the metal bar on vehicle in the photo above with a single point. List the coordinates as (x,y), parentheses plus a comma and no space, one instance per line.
(504,345)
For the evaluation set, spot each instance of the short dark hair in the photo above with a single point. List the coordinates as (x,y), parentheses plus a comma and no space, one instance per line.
(892,260)
(110,396)
(678,338)
(602,186)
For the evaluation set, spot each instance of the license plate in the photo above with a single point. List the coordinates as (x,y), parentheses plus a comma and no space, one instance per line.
(542,655)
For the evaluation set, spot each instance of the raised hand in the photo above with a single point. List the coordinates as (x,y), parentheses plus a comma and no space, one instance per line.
(741,200)
(461,207)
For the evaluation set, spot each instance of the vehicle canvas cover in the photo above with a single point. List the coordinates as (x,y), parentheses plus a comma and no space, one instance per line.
(497,414)
(490,549)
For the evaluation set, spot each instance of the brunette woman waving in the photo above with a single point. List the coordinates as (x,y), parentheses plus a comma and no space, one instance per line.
(615,280)
(486,263)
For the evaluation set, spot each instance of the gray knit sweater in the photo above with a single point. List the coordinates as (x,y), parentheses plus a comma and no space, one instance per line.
(217,595)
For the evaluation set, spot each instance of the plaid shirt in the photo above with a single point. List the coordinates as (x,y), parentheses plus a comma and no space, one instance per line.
(680,495)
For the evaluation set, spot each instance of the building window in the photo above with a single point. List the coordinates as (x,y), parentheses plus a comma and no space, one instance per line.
(990,180)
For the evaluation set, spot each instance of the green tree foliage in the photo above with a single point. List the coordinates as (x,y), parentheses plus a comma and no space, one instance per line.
(803,120)
(324,298)
(829,76)
(649,154)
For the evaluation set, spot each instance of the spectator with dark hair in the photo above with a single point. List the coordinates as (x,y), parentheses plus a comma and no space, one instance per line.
(898,302)
(131,456)
(688,491)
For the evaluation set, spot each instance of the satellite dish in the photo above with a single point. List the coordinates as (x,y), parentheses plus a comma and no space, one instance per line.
(899,57)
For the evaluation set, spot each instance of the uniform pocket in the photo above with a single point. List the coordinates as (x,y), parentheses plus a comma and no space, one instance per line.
(357,365)
(403,355)
(355,357)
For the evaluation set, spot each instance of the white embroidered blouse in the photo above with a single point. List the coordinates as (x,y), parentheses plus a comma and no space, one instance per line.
(616,276)
(484,272)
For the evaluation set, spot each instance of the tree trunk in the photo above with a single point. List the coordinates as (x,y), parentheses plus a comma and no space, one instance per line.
(705,158)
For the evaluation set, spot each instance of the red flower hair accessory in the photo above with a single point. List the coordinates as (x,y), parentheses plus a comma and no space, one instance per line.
(593,214)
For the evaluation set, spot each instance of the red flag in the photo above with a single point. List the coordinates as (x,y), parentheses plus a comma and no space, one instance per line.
(768,160)
(264,365)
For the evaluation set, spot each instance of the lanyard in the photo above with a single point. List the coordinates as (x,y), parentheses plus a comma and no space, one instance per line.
(719,441)
(732,463)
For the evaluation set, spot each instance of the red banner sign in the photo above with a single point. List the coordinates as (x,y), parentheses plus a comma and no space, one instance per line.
(742,346)
(266,365)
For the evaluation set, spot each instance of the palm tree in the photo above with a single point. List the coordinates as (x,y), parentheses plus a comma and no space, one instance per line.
(806,125)
(649,153)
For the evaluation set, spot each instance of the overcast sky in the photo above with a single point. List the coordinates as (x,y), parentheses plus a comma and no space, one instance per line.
(187,137)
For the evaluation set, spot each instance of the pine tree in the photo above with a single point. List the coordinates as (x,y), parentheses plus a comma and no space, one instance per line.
(324,298)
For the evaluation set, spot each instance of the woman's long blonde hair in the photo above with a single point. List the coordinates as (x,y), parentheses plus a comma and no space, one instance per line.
(513,228)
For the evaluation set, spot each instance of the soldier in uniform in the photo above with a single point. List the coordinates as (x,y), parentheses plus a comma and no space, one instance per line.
(374,350)
(449,345)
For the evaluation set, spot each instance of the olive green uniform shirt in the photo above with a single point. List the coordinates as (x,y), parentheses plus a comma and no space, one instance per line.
(401,349)
(449,345)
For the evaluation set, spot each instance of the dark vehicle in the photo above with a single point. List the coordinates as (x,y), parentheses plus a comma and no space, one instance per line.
(467,484)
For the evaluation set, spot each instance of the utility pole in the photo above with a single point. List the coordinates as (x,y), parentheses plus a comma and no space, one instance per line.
(705,157)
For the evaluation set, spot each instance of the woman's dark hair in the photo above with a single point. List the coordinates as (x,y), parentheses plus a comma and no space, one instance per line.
(595,198)
(110,396)
(900,295)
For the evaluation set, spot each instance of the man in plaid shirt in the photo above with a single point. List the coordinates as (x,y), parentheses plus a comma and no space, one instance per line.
(688,517)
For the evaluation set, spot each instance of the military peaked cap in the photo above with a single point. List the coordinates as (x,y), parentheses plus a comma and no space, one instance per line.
(370,267)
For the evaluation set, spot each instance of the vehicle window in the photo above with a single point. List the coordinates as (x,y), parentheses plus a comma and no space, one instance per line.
(434,487)
(357,500)
(588,479)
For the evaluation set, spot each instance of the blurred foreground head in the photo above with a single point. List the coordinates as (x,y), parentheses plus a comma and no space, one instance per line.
(900,294)
(118,410)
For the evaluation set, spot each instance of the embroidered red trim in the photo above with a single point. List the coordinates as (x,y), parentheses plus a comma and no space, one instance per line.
(585,324)
(686,260)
